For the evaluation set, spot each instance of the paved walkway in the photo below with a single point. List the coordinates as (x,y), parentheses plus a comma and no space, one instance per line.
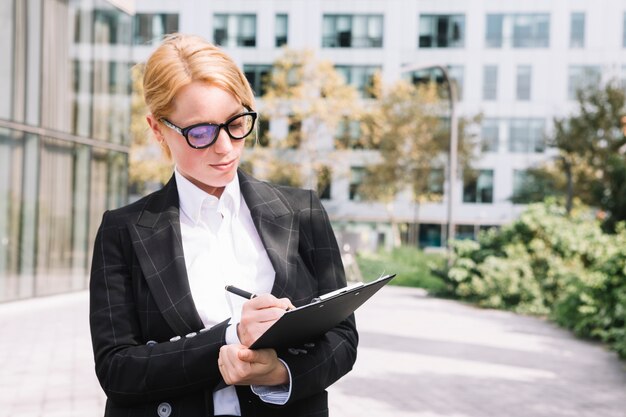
(418,356)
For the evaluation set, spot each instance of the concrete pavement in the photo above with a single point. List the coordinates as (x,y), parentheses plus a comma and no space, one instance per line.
(419,356)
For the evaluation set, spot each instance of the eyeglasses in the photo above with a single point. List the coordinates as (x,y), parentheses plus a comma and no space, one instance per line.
(203,135)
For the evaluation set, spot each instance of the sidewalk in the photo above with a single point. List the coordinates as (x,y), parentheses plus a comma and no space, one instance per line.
(418,356)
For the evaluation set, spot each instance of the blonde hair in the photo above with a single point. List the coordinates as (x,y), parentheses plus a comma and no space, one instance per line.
(182,59)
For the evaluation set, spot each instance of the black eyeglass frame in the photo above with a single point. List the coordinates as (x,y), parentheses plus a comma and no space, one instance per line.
(184,131)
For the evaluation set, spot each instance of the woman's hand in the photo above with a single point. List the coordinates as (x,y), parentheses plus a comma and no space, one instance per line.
(242,366)
(258,314)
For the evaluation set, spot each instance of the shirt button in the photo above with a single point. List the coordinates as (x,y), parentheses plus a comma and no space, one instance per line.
(175,339)
(164,410)
(190,335)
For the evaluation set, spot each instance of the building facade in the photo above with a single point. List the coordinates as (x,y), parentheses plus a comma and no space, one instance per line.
(64,137)
(517,64)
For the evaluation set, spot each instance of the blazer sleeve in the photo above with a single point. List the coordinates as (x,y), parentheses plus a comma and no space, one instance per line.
(131,369)
(334,354)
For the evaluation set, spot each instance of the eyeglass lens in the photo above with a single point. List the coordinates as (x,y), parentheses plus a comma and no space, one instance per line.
(237,128)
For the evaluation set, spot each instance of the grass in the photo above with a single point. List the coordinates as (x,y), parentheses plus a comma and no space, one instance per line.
(412,266)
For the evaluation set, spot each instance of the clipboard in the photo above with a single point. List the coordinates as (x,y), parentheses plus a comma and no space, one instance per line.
(308,322)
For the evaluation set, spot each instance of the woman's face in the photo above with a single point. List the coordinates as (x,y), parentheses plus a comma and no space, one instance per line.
(210,168)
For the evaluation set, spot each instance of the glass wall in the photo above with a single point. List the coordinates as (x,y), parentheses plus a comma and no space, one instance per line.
(64,122)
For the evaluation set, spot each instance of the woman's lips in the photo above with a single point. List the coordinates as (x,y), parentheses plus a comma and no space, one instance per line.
(224,166)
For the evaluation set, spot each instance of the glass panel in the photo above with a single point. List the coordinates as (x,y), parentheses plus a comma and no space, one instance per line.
(356,178)
(624,31)
(6,59)
(465,231)
(281,29)
(490,82)
(577,30)
(526,135)
(523,82)
(490,135)
(329,34)
(442,31)
(430,235)
(324,180)
(258,77)
(220,29)
(520,177)
(11,169)
(478,186)
(531,30)
(54,245)
(582,76)
(247,31)
(493,37)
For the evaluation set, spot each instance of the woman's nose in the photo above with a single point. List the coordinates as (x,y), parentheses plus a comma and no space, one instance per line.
(223,143)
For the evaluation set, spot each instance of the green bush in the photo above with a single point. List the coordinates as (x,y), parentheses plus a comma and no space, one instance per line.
(551,264)
(412,266)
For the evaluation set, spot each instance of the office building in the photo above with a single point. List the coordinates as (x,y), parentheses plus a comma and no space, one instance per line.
(64,137)
(517,64)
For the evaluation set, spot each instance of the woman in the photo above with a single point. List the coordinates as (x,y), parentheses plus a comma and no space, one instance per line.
(168,340)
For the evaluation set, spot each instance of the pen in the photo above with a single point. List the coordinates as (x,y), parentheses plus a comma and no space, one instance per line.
(240,292)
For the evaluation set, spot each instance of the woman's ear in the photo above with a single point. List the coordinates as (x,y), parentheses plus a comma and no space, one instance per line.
(155,126)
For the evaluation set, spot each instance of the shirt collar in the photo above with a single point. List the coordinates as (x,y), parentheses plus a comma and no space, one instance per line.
(191,198)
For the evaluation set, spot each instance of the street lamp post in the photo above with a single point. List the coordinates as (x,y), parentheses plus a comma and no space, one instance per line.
(454,139)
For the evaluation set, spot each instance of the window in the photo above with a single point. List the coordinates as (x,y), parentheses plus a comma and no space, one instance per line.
(111,27)
(522,91)
(455,72)
(526,136)
(359,76)
(263,131)
(465,232)
(356,178)
(150,28)
(324,179)
(234,29)
(435,181)
(520,181)
(577,30)
(518,30)
(258,76)
(493,37)
(348,134)
(294,133)
(490,82)
(478,186)
(624,32)
(430,235)
(352,31)
(442,31)
(281,29)
(580,77)
(490,135)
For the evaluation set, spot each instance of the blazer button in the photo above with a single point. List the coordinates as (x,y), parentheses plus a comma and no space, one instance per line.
(164,410)
(151,343)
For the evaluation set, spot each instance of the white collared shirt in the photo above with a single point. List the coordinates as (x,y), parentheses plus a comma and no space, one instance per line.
(222,247)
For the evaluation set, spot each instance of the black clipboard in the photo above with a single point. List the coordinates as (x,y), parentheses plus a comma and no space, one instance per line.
(306,323)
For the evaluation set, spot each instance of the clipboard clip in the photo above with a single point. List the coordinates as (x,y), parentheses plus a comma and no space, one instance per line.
(336,292)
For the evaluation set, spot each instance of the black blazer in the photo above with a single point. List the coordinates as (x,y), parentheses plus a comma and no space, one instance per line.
(152,356)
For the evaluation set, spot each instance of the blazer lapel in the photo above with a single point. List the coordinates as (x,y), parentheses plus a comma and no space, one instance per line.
(157,241)
(276,224)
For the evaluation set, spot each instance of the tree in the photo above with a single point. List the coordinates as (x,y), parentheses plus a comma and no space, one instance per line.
(312,98)
(406,125)
(591,163)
